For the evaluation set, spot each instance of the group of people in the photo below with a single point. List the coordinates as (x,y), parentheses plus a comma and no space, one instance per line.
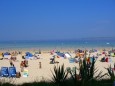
(106,59)
(23,64)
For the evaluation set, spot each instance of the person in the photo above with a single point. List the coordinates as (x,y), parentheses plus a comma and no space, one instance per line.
(22,66)
(11,63)
(40,65)
(2,55)
(26,63)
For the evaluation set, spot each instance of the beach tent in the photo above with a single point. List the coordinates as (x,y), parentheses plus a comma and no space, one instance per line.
(60,54)
(25,73)
(29,54)
(67,55)
(4,71)
(12,72)
(6,53)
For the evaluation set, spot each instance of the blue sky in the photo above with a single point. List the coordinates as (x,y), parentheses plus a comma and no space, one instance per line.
(56,19)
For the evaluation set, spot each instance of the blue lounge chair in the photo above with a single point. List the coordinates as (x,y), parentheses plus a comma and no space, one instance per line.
(12,72)
(4,72)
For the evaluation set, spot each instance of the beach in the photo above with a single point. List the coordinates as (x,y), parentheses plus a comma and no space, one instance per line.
(45,72)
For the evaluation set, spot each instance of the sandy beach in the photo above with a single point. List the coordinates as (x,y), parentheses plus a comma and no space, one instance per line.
(37,74)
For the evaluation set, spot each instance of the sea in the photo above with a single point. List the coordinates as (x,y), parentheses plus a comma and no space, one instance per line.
(83,43)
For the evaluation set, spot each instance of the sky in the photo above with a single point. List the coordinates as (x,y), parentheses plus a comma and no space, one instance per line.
(56,19)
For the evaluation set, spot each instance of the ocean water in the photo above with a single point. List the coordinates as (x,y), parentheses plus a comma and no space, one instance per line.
(57,43)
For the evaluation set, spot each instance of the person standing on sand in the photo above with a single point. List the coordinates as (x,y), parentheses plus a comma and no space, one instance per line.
(40,65)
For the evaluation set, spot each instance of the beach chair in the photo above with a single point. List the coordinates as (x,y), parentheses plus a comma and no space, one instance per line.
(12,72)
(4,72)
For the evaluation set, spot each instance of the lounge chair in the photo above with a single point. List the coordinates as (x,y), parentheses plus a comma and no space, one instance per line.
(12,72)
(4,72)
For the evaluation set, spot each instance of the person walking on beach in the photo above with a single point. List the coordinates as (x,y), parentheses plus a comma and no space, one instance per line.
(40,65)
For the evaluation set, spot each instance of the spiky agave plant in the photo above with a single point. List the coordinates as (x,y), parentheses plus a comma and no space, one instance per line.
(59,75)
(87,74)
(111,73)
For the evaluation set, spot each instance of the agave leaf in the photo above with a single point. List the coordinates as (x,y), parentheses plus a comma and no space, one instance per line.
(59,75)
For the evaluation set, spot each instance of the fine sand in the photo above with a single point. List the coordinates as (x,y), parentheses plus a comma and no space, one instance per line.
(36,74)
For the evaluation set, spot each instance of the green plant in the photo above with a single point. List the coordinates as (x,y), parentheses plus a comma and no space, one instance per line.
(111,73)
(86,73)
(59,75)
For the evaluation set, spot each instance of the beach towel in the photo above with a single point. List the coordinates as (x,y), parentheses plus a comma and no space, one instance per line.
(71,60)
(25,73)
